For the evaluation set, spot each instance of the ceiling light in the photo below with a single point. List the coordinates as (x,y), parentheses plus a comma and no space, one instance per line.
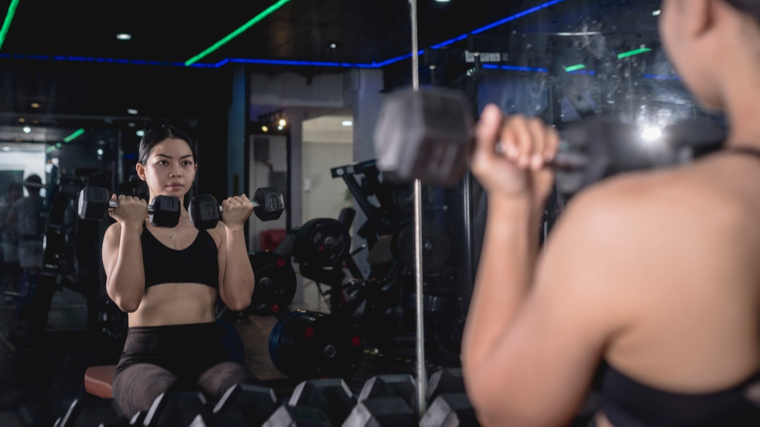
(35,105)
(347,123)
(265,129)
(100,151)
(656,13)
(73,136)
(643,49)
(27,129)
(22,120)
(237,32)
(140,133)
(279,127)
(132,111)
(283,122)
(130,124)
(572,68)
(650,134)
(333,45)
(442,1)
(8,18)
(6,148)
(124,36)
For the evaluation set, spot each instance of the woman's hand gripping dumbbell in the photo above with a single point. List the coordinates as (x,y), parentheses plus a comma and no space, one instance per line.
(96,202)
(205,212)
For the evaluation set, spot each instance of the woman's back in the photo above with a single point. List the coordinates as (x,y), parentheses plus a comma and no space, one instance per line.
(690,280)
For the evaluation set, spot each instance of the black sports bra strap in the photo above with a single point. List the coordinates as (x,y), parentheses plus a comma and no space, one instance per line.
(750,151)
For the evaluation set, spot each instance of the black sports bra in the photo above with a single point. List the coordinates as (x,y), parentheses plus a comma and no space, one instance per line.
(197,263)
(629,403)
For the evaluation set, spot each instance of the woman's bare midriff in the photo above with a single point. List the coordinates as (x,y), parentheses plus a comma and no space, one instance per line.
(175,304)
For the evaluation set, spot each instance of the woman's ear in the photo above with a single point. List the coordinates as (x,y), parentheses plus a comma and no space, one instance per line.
(698,16)
(140,168)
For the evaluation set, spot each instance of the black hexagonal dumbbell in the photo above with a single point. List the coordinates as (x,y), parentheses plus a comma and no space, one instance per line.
(95,202)
(205,211)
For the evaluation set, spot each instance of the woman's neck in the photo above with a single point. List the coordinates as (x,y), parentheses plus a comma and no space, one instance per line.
(743,104)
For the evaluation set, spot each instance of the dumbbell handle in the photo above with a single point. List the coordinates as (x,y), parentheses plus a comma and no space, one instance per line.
(255,205)
(113,205)
(563,160)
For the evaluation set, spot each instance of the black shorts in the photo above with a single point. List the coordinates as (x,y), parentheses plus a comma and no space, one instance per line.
(184,350)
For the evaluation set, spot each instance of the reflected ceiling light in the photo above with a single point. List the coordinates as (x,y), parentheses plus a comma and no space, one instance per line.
(35,105)
(140,133)
(237,32)
(22,120)
(333,46)
(634,52)
(73,136)
(347,123)
(650,134)
(124,36)
(7,22)
(265,129)
(6,148)
(100,151)
(441,1)
(132,111)
(282,122)
(656,13)
(27,129)
(130,124)
(279,127)
(574,68)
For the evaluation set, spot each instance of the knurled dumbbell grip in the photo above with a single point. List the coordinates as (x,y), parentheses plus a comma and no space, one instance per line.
(255,205)
(113,205)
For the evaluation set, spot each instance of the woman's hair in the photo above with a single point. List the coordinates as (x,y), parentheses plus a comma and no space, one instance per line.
(750,7)
(158,135)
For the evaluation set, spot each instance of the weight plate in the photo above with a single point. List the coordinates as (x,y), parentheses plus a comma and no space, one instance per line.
(275,283)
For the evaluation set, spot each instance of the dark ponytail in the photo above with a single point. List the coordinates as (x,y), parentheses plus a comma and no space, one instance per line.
(750,7)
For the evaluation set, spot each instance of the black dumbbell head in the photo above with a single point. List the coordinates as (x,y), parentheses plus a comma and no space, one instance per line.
(93,203)
(424,135)
(271,204)
(165,211)
(204,212)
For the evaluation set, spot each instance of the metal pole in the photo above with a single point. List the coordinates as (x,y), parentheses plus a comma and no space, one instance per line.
(421,373)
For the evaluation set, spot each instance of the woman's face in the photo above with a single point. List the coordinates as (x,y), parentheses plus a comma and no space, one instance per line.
(689,50)
(170,169)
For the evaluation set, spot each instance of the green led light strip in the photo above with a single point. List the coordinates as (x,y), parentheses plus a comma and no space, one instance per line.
(73,135)
(8,19)
(237,32)
(575,68)
(634,52)
(49,149)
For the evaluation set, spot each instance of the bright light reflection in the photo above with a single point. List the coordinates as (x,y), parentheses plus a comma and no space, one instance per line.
(650,134)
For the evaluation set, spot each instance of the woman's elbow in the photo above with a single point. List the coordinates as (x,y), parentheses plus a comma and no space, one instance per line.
(237,304)
(126,305)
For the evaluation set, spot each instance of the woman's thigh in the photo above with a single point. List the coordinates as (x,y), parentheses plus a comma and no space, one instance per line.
(137,386)
(215,380)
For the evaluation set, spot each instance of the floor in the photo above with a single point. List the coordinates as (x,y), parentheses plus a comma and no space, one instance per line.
(38,383)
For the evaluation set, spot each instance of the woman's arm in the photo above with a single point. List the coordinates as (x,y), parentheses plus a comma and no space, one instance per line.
(122,254)
(236,281)
(531,343)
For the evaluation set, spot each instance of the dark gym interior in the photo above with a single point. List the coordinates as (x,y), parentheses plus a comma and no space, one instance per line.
(286,95)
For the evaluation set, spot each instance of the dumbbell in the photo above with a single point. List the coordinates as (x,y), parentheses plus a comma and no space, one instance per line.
(428,135)
(205,211)
(95,202)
